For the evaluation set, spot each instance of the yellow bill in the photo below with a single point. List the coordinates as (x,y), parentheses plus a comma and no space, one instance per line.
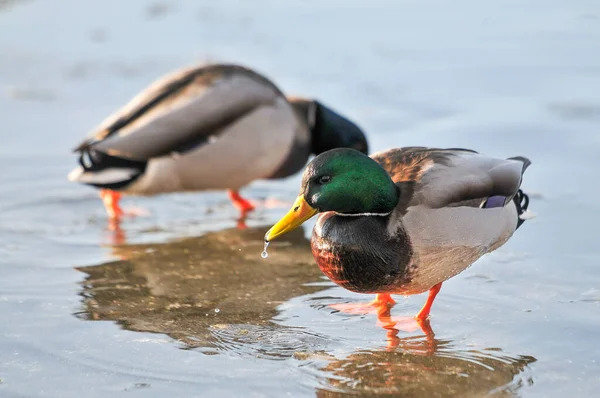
(300,212)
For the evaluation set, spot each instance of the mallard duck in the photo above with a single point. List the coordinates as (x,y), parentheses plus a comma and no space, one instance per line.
(405,220)
(210,127)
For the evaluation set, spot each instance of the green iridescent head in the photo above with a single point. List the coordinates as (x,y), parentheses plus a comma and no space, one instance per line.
(348,182)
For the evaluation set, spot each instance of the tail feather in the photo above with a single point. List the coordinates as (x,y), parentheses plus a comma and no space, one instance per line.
(526,162)
(104,171)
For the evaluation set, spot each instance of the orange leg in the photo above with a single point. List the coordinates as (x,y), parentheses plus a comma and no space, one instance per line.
(424,313)
(111,203)
(240,203)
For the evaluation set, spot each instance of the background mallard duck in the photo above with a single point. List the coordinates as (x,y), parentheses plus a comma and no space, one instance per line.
(217,126)
(405,220)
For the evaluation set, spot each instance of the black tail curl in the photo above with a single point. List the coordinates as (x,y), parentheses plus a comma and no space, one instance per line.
(522,202)
(93,161)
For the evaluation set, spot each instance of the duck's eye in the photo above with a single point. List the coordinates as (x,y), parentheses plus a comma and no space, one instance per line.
(324,179)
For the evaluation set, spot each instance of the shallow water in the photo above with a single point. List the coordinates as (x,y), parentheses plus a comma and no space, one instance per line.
(181,303)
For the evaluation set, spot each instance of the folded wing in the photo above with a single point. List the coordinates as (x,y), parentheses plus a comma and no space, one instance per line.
(181,111)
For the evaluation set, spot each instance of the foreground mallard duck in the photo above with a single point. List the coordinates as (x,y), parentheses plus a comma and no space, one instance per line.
(405,220)
(217,126)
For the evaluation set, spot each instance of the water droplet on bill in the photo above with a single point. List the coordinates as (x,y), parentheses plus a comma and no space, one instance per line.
(264,254)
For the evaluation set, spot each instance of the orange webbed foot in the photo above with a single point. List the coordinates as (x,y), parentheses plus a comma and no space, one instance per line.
(404,323)
(136,212)
(383,302)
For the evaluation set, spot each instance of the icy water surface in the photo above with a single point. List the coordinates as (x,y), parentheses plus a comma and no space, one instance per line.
(180,303)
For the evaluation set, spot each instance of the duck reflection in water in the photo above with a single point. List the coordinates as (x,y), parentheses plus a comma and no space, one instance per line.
(426,368)
(175,288)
